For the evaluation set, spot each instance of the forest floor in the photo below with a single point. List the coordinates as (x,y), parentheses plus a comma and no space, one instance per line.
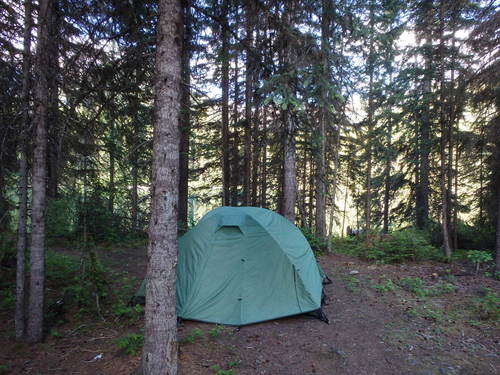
(383,320)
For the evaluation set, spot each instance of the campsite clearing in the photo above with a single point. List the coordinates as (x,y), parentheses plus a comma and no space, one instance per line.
(380,324)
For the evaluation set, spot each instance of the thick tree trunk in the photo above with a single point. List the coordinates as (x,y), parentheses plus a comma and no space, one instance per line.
(20,315)
(289,190)
(54,128)
(185,118)
(289,169)
(226,166)
(160,342)
(37,258)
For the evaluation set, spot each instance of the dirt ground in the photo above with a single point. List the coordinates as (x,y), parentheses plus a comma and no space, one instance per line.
(373,330)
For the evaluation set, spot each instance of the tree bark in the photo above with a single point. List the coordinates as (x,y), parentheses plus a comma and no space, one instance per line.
(387,170)
(226,171)
(289,191)
(371,125)
(160,342)
(247,164)
(20,314)
(235,176)
(185,117)
(263,176)
(497,247)
(38,211)
(443,143)
(320,214)
(424,148)
(54,129)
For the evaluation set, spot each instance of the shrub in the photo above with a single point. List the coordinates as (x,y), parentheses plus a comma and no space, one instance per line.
(386,286)
(407,244)
(479,257)
(489,305)
(194,334)
(318,245)
(131,343)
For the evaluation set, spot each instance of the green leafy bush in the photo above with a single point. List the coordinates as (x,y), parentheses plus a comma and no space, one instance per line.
(61,217)
(385,286)
(416,286)
(131,344)
(489,305)
(7,299)
(193,335)
(133,313)
(216,331)
(479,257)
(400,246)
(318,245)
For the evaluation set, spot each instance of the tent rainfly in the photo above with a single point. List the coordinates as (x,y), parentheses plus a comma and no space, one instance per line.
(243,265)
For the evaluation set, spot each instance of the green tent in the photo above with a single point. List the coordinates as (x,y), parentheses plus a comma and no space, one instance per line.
(242,265)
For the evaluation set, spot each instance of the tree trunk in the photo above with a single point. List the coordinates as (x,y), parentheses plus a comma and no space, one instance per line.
(320,214)
(111,187)
(54,128)
(424,149)
(184,121)
(160,342)
(263,176)
(371,125)
(497,247)
(289,191)
(38,211)
(289,169)
(249,66)
(20,315)
(443,143)
(387,171)
(226,171)
(235,152)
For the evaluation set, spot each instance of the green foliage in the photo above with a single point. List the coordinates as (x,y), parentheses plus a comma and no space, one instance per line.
(488,306)
(417,287)
(318,245)
(83,281)
(4,369)
(414,285)
(385,286)
(132,313)
(216,331)
(399,246)
(352,283)
(229,371)
(478,237)
(194,334)
(7,249)
(55,333)
(479,257)
(7,299)
(61,217)
(131,344)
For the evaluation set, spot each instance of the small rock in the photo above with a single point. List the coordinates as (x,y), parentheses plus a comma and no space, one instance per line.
(353,272)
